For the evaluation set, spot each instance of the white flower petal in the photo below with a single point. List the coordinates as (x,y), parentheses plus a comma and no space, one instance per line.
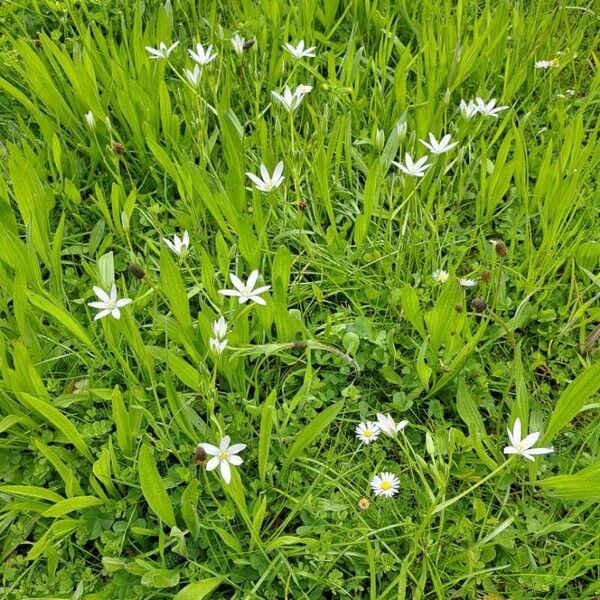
(225,471)
(209,449)
(213,463)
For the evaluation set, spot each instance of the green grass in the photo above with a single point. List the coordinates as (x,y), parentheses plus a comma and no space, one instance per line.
(101,496)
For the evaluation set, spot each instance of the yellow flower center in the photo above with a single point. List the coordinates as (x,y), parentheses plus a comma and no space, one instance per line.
(367,433)
(386,485)
(223,455)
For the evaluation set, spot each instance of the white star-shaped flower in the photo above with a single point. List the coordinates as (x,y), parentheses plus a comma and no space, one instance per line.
(440,147)
(468,283)
(219,328)
(238,43)
(90,119)
(292,100)
(202,56)
(414,169)
(469,109)
(217,346)
(193,76)
(108,305)
(246,291)
(385,484)
(523,446)
(388,426)
(367,432)
(489,109)
(162,51)
(547,64)
(223,456)
(179,246)
(266,182)
(299,51)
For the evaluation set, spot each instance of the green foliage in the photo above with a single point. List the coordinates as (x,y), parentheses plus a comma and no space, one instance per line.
(104,493)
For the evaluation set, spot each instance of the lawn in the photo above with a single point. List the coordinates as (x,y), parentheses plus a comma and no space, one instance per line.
(299,299)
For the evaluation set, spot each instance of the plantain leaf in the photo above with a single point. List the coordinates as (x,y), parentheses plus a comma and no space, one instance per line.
(312,430)
(153,487)
(198,590)
(572,400)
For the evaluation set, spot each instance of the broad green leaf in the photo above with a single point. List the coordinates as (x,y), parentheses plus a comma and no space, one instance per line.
(411,309)
(122,422)
(153,488)
(160,578)
(311,431)
(572,400)
(264,441)
(174,290)
(198,590)
(584,485)
(106,270)
(31,491)
(64,507)
(189,507)
(58,420)
(56,531)
(442,319)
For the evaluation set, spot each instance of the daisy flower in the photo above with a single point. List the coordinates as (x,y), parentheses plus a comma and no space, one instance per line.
(367,432)
(385,484)
(440,276)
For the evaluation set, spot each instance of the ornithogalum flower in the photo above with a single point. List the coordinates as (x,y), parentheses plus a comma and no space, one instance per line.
(468,109)
(440,147)
(163,51)
(547,64)
(266,182)
(90,119)
(467,283)
(440,276)
(193,76)
(203,56)
(246,291)
(223,456)
(489,109)
(218,343)
(414,169)
(108,304)
(299,51)
(385,484)
(179,246)
(238,43)
(388,426)
(523,446)
(367,432)
(292,100)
